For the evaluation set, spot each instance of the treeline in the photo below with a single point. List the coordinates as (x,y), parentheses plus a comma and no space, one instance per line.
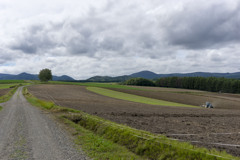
(139,82)
(212,84)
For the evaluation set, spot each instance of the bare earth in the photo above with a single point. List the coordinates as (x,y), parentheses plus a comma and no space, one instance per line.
(212,128)
(4,91)
(28,133)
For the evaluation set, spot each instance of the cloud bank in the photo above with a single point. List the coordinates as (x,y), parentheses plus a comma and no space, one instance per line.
(84,39)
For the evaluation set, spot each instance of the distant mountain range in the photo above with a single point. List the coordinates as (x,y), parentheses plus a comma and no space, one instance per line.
(152,75)
(142,74)
(27,76)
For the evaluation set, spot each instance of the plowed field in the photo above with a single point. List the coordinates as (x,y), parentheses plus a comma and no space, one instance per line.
(4,91)
(212,128)
(219,100)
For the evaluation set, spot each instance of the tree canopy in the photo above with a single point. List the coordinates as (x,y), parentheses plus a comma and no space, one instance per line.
(45,75)
(139,82)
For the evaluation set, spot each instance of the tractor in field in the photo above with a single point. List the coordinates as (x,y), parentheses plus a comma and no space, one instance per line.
(207,105)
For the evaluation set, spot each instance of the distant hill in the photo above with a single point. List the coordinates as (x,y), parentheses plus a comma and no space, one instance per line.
(108,79)
(152,75)
(27,76)
(142,74)
(145,74)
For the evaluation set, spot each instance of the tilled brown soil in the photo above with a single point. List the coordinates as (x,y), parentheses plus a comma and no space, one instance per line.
(4,91)
(212,128)
(219,101)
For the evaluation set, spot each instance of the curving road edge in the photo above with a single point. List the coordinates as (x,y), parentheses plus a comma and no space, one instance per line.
(27,133)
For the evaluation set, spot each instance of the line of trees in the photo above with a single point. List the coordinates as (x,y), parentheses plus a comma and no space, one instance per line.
(212,84)
(139,82)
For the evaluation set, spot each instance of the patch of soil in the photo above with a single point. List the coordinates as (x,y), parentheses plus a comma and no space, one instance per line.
(4,91)
(219,101)
(201,123)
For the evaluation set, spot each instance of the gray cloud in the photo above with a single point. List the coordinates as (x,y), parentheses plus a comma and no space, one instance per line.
(34,39)
(114,38)
(206,26)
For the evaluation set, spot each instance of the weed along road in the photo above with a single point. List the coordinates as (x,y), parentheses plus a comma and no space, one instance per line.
(26,132)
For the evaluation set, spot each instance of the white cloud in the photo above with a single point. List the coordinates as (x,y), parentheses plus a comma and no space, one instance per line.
(106,37)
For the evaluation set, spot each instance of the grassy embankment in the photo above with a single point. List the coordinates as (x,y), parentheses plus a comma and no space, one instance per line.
(103,139)
(135,98)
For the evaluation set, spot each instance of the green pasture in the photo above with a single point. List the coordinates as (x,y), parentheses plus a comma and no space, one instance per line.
(93,84)
(11,81)
(135,98)
(4,86)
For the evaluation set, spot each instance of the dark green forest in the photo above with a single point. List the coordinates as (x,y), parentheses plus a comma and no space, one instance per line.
(211,84)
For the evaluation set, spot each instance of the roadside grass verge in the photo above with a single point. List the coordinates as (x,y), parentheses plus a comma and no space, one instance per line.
(8,96)
(143,143)
(94,145)
(0,108)
(135,98)
(98,147)
(45,104)
(98,137)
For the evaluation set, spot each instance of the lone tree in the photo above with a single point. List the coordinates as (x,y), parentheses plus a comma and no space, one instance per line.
(45,75)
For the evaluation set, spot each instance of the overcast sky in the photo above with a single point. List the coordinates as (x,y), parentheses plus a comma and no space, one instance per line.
(108,37)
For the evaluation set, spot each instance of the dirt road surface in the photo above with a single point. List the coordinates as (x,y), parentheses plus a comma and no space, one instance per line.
(28,133)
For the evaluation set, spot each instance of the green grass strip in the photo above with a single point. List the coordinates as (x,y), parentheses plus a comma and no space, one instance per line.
(134,98)
(93,84)
(0,108)
(8,96)
(98,147)
(12,85)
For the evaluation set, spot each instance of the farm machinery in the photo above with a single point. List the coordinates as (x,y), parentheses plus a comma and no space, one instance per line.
(207,105)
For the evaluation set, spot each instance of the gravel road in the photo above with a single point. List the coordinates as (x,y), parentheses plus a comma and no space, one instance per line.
(28,133)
